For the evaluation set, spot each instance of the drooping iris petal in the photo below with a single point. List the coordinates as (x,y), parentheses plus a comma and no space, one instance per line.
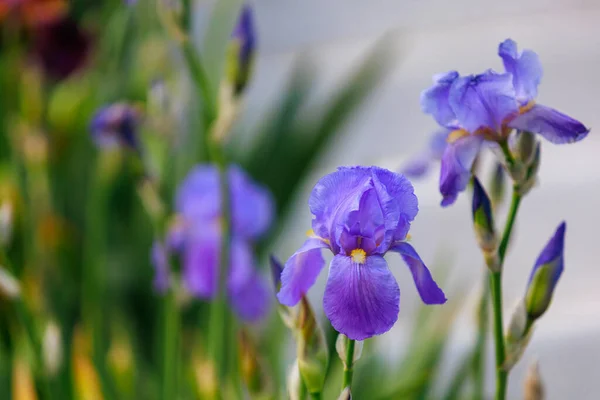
(335,196)
(553,125)
(160,261)
(420,165)
(361,300)
(301,271)
(434,100)
(456,166)
(483,102)
(248,292)
(402,192)
(252,205)
(201,255)
(428,290)
(526,70)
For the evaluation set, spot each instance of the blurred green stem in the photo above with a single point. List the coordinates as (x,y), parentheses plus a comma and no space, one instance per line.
(496,288)
(93,277)
(170,346)
(35,341)
(349,364)
(33,335)
(478,358)
(316,396)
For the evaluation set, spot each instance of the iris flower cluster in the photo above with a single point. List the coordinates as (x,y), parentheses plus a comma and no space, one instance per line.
(482,110)
(196,237)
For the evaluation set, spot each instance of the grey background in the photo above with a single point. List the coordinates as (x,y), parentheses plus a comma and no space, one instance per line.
(435,36)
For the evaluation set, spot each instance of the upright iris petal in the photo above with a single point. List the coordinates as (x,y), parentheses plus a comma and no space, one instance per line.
(483,102)
(525,68)
(196,237)
(360,213)
(434,100)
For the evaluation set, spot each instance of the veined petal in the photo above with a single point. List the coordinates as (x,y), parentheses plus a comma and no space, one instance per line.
(428,290)
(402,195)
(248,292)
(335,196)
(553,125)
(361,300)
(456,166)
(301,271)
(525,68)
(483,101)
(434,100)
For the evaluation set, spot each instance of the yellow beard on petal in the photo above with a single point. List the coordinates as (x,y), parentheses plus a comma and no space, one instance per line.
(359,256)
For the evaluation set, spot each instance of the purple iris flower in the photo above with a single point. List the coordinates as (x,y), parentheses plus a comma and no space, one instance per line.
(486,108)
(116,125)
(360,213)
(545,274)
(196,238)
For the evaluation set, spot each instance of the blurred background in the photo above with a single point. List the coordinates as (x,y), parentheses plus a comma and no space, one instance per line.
(334,83)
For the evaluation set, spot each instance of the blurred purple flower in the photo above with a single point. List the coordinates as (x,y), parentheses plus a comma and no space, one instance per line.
(545,274)
(487,107)
(197,237)
(61,47)
(116,125)
(241,50)
(360,214)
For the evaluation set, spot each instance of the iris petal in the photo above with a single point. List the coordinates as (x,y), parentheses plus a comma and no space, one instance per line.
(201,263)
(525,68)
(252,205)
(402,192)
(335,196)
(434,100)
(429,291)
(456,166)
(248,292)
(483,101)
(361,300)
(553,125)
(301,271)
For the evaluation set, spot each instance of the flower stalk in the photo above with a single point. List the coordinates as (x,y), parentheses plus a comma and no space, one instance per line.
(348,364)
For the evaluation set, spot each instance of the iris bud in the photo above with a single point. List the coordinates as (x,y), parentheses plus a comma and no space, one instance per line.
(253,370)
(346,394)
(313,356)
(483,222)
(534,387)
(240,56)
(544,277)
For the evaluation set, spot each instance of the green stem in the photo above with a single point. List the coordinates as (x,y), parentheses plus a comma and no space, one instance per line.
(349,364)
(94,278)
(170,346)
(316,396)
(478,360)
(34,338)
(496,288)
(302,392)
